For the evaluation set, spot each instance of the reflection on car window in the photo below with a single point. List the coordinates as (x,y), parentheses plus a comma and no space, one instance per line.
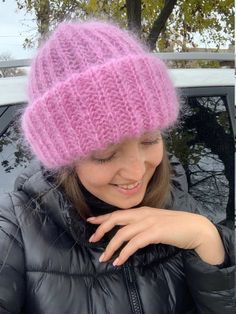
(203,142)
(13,158)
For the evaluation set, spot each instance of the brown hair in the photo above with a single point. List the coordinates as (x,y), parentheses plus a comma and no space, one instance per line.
(157,193)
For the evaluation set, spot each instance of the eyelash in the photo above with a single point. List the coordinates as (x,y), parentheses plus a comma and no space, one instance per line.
(102,161)
(151,142)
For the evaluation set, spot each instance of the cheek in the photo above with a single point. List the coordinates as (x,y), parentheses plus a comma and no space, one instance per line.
(156,155)
(92,175)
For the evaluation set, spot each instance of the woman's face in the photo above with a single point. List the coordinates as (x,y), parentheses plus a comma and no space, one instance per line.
(119,174)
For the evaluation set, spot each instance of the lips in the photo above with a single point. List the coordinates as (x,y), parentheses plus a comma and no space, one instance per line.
(128,187)
(128,191)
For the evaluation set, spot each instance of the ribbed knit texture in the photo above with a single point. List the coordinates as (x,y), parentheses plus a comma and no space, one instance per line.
(92,84)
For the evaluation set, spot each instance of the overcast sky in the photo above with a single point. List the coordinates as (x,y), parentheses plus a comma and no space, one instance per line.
(14,27)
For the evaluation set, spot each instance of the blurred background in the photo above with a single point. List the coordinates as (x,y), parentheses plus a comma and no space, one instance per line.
(165,25)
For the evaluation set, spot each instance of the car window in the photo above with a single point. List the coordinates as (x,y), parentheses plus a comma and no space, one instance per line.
(13,158)
(204,143)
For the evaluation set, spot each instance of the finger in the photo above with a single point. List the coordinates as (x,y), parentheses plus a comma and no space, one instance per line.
(123,235)
(98,219)
(102,229)
(139,241)
(116,215)
(115,218)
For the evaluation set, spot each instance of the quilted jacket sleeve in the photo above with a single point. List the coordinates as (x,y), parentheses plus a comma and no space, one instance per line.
(212,286)
(12,283)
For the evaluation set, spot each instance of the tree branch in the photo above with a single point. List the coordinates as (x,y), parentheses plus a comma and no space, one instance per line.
(134,15)
(160,22)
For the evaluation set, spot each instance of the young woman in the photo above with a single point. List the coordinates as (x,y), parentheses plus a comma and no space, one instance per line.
(101,221)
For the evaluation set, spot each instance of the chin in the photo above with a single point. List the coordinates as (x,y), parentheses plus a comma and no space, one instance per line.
(128,203)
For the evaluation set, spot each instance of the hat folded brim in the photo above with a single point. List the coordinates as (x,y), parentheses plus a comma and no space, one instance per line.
(105,104)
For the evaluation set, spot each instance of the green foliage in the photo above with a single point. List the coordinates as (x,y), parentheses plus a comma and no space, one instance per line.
(213,20)
(106,9)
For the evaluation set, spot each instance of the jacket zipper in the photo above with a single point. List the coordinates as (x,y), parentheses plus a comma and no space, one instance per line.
(132,290)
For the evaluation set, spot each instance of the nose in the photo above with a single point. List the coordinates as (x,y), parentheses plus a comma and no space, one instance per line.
(133,168)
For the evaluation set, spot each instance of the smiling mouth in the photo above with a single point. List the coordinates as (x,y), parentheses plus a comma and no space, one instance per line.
(127,186)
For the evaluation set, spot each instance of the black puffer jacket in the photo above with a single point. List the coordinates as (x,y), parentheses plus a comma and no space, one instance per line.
(48,266)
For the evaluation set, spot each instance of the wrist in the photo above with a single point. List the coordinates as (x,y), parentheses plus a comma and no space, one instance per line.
(211,249)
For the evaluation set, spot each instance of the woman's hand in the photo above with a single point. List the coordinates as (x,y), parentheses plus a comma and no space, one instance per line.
(146,225)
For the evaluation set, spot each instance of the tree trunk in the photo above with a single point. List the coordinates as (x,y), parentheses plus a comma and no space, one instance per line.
(42,12)
(160,22)
(134,15)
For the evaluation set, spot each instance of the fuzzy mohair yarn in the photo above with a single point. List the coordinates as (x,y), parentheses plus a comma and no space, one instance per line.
(92,84)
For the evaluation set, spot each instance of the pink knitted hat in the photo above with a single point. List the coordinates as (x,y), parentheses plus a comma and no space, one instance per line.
(92,84)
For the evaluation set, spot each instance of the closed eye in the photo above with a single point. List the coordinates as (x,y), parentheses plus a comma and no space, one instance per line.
(101,161)
(156,141)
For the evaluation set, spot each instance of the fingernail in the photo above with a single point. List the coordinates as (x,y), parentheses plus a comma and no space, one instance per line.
(91,238)
(91,218)
(116,261)
(101,258)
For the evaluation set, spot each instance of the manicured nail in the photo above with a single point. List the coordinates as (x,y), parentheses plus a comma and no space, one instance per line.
(101,258)
(91,218)
(91,238)
(116,262)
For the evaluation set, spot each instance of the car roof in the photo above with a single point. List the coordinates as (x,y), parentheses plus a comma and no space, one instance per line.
(13,89)
(202,77)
